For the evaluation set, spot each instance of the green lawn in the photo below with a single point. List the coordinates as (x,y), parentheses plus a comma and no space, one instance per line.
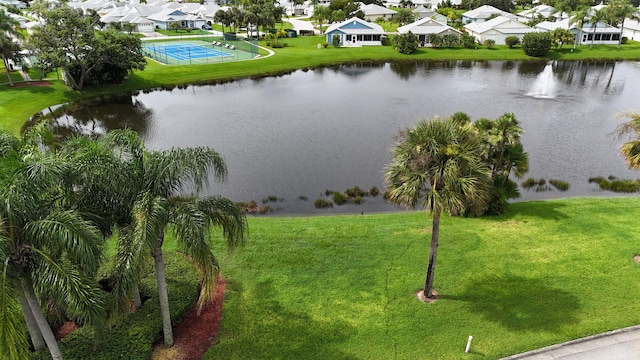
(342,287)
(18,104)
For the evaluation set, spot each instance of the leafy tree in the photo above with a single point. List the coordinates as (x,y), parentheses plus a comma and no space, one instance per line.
(155,179)
(449,40)
(505,155)
(435,40)
(437,165)
(48,254)
(537,44)
(69,40)
(8,47)
(222,18)
(406,3)
(405,43)
(512,41)
(343,9)
(504,5)
(335,40)
(404,16)
(560,37)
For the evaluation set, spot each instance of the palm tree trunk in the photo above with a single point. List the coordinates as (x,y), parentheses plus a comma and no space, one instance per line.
(44,326)
(6,68)
(32,325)
(621,31)
(435,231)
(137,301)
(163,295)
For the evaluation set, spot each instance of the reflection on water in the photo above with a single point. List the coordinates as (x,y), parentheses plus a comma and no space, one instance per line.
(298,135)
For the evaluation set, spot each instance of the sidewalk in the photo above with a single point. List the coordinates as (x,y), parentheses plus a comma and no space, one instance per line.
(622,344)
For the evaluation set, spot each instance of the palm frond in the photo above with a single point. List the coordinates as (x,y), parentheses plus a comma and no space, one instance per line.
(13,340)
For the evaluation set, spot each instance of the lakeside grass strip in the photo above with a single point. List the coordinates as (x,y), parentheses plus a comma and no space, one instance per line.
(17,105)
(341,287)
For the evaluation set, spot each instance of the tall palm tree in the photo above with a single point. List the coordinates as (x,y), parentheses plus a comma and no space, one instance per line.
(597,16)
(8,47)
(158,178)
(579,16)
(437,165)
(620,10)
(47,253)
(631,149)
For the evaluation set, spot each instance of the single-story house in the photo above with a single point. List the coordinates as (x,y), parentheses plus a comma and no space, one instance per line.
(424,27)
(535,12)
(498,29)
(601,33)
(423,12)
(165,17)
(355,32)
(372,12)
(631,29)
(482,13)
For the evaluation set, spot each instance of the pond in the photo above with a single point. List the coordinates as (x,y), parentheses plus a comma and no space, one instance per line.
(292,137)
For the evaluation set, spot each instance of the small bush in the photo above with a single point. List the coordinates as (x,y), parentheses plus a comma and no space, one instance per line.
(624,40)
(624,186)
(322,204)
(542,181)
(405,43)
(468,41)
(374,191)
(529,183)
(271,198)
(489,43)
(325,44)
(358,200)
(511,41)
(559,184)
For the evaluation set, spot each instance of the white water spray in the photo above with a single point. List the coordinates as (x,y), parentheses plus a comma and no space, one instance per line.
(545,85)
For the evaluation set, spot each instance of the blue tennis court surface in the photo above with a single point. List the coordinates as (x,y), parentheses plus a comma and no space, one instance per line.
(186,52)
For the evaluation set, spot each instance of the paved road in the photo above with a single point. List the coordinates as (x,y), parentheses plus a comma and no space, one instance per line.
(300,24)
(623,344)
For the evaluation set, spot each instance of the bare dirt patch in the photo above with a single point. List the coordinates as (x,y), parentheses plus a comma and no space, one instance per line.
(421,296)
(194,334)
(636,258)
(32,83)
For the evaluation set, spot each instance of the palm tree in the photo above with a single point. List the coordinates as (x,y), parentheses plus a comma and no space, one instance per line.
(8,47)
(158,178)
(505,155)
(578,18)
(47,253)
(631,149)
(619,10)
(437,165)
(596,17)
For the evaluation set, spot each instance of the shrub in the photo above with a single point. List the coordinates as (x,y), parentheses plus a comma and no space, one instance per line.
(405,43)
(511,41)
(384,40)
(335,40)
(537,44)
(322,204)
(357,200)
(529,183)
(559,184)
(435,40)
(325,44)
(467,40)
(374,191)
(449,40)
(624,40)
(489,43)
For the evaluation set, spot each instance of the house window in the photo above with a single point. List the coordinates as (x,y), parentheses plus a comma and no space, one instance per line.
(615,37)
(606,37)
(376,37)
(598,37)
(348,37)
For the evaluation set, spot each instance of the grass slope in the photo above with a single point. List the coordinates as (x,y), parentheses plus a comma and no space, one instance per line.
(342,287)
(18,104)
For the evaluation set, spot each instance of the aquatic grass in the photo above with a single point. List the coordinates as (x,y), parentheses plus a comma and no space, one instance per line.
(560,185)
(342,287)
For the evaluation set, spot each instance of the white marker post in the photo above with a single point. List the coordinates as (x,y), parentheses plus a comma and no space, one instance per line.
(468,344)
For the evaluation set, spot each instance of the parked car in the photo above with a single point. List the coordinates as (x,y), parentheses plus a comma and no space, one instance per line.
(206,27)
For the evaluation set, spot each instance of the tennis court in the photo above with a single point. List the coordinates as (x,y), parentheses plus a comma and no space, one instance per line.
(199,51)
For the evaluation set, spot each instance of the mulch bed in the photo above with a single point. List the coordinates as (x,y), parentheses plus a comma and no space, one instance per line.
(32,83)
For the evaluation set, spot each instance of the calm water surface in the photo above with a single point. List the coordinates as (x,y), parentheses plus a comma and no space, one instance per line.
(333,128)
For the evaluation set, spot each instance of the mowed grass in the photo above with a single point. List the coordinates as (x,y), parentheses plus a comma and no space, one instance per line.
(342,287)
(18,104)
